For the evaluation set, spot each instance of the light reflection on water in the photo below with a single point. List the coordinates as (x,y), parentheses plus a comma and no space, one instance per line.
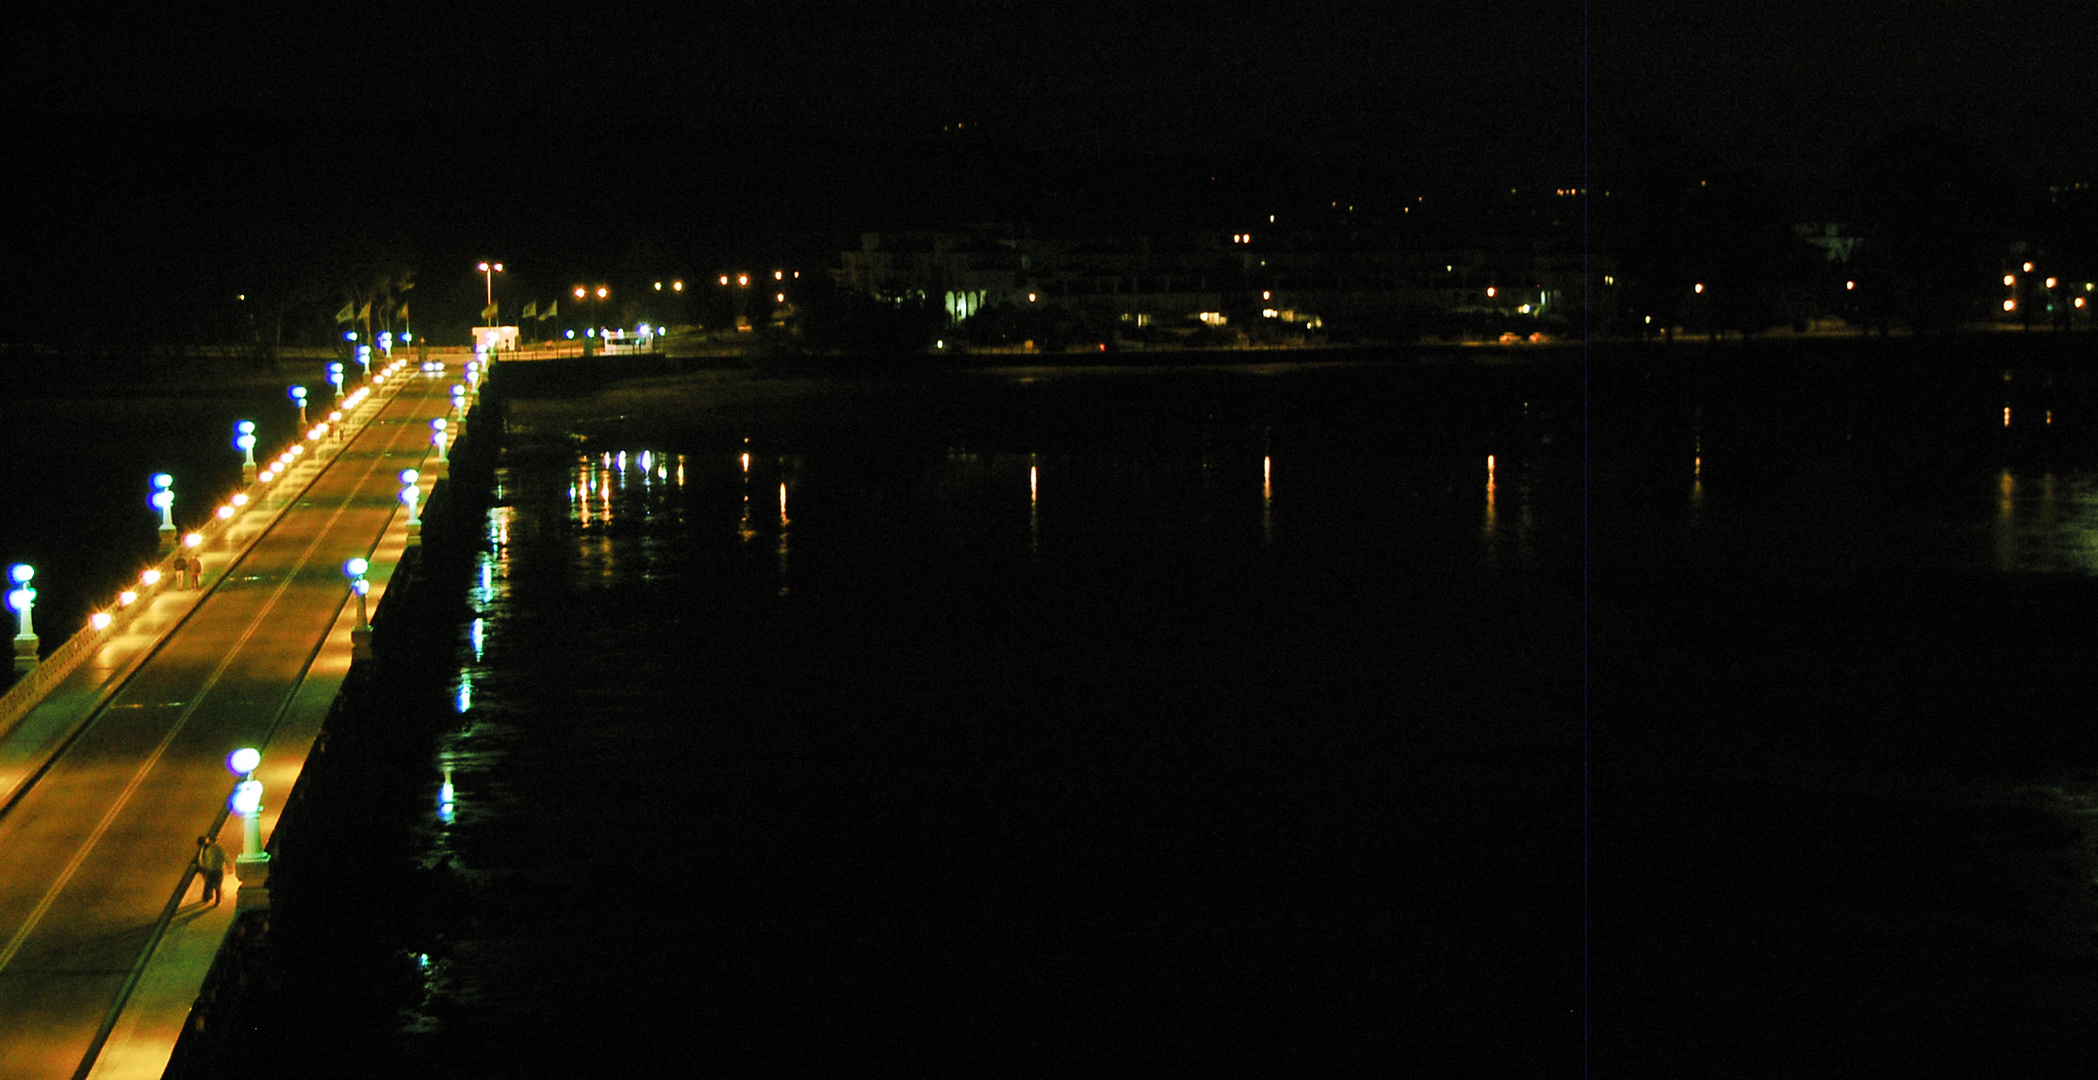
(2045,523)
(585,545)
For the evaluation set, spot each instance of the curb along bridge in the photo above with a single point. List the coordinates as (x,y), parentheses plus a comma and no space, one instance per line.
(113,753)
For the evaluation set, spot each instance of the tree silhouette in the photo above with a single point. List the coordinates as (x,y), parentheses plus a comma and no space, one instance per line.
(1935,218)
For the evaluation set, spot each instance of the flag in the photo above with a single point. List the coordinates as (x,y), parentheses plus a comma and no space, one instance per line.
(346,314)
(531,310)
(488,313)
(366,313)
(551,309)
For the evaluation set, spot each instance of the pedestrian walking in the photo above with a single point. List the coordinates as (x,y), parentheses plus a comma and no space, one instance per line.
(211,862)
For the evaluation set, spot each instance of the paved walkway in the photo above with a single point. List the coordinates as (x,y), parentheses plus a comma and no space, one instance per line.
(105,783)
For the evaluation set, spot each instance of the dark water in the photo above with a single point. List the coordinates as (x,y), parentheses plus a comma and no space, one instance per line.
(1253,721)
(1199,737)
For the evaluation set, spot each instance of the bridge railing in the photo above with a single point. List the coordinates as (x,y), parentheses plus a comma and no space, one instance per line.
(171,570)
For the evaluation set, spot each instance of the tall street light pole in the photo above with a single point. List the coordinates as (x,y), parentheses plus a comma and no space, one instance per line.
(488,272)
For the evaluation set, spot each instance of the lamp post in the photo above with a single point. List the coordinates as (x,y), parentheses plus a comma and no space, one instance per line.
(163,500)
(21,599)
(488,272)
(409,494)
(335,376)
(437,438)
(360,634)
(595,295)
(244,440)
(298,397)
(253,864)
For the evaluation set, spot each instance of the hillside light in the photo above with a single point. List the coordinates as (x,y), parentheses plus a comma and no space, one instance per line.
(21,599)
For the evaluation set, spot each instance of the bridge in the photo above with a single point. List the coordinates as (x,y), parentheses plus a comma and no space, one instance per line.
(113,751)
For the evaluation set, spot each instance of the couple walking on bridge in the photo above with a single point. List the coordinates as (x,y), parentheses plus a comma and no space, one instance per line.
(211,863)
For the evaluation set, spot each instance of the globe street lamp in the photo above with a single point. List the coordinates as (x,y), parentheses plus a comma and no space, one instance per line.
(163,500)
(437,436)
(254,863)
(244,439)
(335,376)
(488,272)
(360,634)
(21,599)
(409,494)
(459,400)
(298,397)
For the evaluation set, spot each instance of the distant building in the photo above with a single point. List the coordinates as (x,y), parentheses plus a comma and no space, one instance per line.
(1255,283)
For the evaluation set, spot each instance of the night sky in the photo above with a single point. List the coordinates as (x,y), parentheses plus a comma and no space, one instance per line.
(694,138)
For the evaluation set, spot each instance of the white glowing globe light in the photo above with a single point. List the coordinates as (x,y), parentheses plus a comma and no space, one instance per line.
(437,424)
(298,393)
(17,599)
(163,499)
(247,797)
(21,572)
(409,476)
(243,761)
(356,567)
